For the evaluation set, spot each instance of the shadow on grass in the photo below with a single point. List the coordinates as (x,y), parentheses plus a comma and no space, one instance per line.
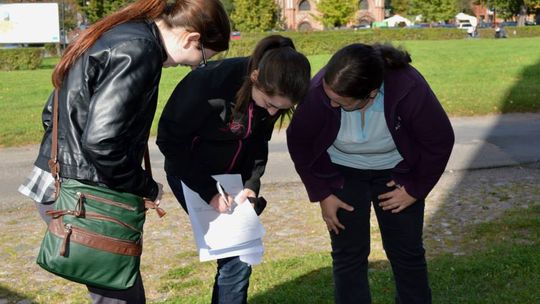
(317,286)
(524,96)
(500,272)
(9,296)
(313,287)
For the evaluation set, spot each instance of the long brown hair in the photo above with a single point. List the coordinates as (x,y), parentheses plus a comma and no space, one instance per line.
(283,71)
(357,69)
(206,17)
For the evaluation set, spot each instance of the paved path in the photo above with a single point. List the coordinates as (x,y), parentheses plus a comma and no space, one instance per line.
(481,142)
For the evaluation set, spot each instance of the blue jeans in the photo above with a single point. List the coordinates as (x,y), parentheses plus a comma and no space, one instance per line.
(232,277)
(401,236)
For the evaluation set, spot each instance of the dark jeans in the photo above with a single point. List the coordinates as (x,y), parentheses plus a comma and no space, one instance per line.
(401,235)
(232,278)
(132,295)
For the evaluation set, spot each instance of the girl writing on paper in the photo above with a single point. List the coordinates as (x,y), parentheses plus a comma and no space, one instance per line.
(108,82)
(219,120)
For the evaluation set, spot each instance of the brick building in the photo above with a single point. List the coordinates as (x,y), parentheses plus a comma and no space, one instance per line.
(300,14)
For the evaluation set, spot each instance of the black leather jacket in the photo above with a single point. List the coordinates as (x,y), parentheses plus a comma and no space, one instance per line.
(106,106)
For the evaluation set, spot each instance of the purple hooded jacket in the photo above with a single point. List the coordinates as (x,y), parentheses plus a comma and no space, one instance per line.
(419,126)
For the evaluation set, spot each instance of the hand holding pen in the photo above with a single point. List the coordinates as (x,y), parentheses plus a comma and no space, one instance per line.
(222,202)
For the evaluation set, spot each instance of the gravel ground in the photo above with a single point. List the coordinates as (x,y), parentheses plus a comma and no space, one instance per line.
(294,227)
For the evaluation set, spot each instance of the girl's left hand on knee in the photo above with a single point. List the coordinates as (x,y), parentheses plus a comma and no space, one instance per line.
(397,199)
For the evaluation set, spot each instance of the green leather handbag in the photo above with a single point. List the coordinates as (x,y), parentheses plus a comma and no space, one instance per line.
(95,236)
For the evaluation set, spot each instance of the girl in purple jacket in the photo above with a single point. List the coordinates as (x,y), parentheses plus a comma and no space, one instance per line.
(370,130)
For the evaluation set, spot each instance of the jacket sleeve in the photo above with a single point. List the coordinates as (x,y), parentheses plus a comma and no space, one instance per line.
(429,127)
(129,72)
(258,156)
(185,113)
(304,130)
(46,114)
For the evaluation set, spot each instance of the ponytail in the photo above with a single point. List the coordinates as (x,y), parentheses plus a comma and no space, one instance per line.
(394,58)
(282,71)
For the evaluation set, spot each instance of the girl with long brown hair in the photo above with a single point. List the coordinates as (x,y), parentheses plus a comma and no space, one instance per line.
(107,84)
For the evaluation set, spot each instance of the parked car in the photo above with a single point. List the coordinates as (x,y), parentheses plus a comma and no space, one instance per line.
(485,25)
(360,26)
(508,23)
(236,36)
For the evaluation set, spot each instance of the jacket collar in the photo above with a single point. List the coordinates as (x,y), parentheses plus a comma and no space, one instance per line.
(397,84)
(155,31)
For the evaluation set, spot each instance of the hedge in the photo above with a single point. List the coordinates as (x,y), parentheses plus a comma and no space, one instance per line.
(327,42)
(20,59)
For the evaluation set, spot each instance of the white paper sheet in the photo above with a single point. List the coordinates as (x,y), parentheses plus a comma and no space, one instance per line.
(220,235)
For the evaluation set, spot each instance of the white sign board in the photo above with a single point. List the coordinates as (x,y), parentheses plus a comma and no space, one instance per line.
(29,23)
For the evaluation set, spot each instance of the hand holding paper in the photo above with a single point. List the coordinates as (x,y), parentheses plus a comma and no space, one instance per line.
(234,233)
(222,202)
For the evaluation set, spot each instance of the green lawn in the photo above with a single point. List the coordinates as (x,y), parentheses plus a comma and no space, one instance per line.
(505,268)
(470,77)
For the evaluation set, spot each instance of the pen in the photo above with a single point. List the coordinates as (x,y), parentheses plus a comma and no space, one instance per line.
(223,194)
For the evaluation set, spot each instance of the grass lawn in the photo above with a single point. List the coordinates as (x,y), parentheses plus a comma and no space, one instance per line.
(470,77)
(503,268)
(497,261)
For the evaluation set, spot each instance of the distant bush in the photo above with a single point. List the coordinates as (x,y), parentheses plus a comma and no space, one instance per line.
(20,59)
(512,31)
(51,50)
(327,42)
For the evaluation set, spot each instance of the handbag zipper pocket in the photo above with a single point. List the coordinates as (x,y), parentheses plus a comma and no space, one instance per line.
(84,214)
(82,196)
(70,233)
(110,219)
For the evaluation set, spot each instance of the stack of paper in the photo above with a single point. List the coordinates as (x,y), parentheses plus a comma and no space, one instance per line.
(221,235)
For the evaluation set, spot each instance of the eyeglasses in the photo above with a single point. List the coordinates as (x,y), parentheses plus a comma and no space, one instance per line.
(204,61)
(359,104)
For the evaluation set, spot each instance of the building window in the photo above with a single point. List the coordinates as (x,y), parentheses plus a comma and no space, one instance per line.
(304,6)
(364,5)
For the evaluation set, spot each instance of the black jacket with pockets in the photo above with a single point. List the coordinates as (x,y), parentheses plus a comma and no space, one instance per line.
(201,135)
(106,106)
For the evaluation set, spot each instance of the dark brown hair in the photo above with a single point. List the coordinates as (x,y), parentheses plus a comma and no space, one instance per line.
(283,71)
(206,17)
(357,69)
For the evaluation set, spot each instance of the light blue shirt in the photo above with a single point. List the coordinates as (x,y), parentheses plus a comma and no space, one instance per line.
(365,147)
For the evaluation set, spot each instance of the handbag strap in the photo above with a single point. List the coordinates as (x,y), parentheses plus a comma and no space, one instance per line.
(53,161)
(54,166)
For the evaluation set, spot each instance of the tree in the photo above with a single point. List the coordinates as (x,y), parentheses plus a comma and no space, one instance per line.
(400,7)
(336,13)
(465,6)
(97,9)
(507,9)
(254,15)
(228,5)
(435,10)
